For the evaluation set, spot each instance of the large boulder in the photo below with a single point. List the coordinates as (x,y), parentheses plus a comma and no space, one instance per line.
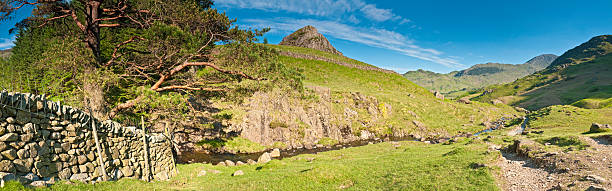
(439,95)
(597,128)
(464,100)
(238,173)
(264,158)
(275,153)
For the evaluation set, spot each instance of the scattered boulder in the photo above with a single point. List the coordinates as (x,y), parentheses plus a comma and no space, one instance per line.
(596,128)
(251,162)
(202,173)
(439,95)
(419,124)
(221,164)
(496,102)
(229,163)
(239,163)
(595,179)
(38,183)
(82,177)
(275,153)
(464,100)
(238,173)
(264,158)
(214,171)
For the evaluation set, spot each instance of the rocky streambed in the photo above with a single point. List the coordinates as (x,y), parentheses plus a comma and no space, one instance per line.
(215,158)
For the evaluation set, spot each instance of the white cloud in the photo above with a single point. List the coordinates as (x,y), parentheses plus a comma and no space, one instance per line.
(6,43)
(378,14)
(323,8)
(375,37)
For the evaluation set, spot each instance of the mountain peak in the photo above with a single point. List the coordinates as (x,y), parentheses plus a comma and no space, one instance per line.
(542,61)
(309,37)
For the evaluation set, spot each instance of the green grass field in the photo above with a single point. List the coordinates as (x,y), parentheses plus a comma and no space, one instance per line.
(412,166)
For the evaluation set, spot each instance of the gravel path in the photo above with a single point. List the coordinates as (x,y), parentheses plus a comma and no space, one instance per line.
(521,175)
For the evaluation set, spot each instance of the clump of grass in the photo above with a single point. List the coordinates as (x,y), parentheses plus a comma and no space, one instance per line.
(327,141)
(243,145)
(278,124)
(565,142)
(211,143)
(234,144)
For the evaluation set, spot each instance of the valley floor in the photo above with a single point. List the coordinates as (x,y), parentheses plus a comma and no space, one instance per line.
(384,166)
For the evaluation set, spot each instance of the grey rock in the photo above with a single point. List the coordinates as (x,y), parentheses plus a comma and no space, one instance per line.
(82,159)
(28,178)
(9,137)
(221,164)
(275,153)
(5,177)
(239,163)
(10,154)
(596,127)
(439,95)
(202,173)
(251,162)
(83,177)
(39,183)
(214,171)
(264,158)
(65,174)
(10,120)
(238,173)
(595,179)
(229,163)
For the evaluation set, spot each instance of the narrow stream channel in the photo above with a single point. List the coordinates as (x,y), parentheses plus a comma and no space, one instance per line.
(214,158)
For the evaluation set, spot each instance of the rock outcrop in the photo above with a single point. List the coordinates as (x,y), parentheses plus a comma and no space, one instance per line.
(309,37)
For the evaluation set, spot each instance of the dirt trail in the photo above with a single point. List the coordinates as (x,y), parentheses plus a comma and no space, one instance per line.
(522,175)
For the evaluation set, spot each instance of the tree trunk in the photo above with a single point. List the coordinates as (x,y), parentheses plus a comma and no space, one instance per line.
(92,32)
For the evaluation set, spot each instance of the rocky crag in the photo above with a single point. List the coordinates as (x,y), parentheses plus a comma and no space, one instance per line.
(309,37)
(43,141)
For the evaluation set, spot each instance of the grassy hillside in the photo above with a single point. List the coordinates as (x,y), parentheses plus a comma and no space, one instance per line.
(403,96)
(456,83)
(587,76)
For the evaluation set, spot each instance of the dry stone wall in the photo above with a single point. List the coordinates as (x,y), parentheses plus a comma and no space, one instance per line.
(43,141)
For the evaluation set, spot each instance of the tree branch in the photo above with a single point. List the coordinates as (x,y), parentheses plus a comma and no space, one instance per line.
(189,88)
(114,55)
(178,68)
(123,106)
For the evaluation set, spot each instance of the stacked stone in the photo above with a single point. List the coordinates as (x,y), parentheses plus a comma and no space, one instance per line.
(41,140)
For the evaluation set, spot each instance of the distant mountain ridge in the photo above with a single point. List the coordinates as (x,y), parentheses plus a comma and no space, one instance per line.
(309,37)
(478,76)
(5,53)
(581,76)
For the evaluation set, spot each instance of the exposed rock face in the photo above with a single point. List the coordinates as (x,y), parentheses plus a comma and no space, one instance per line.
(275,117)
(309,37)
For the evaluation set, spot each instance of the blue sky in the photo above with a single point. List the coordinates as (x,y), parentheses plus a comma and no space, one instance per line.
(435,35)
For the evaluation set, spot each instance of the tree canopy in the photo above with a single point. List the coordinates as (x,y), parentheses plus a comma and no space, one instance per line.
(130,57)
